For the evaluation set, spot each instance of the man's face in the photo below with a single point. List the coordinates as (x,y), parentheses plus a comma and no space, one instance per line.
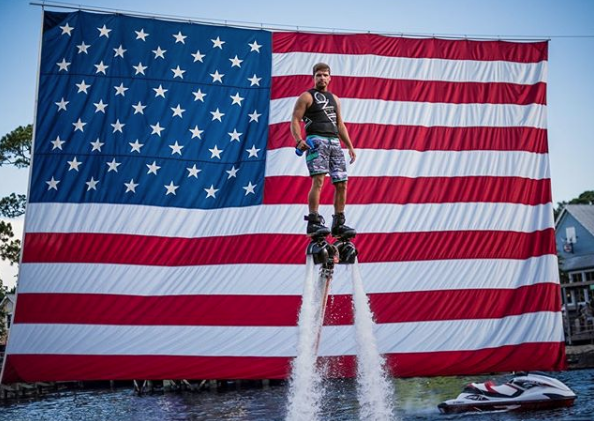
(322,79)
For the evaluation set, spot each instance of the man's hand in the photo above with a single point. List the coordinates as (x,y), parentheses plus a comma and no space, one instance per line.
(302,145)
(353,155)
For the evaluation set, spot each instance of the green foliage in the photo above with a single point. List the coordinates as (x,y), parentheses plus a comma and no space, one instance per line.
(585,198)
(15,150)
(15,147)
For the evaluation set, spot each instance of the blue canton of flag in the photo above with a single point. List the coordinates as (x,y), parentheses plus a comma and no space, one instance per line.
(139,111)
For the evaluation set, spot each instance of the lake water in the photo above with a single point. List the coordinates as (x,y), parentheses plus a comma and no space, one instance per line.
(416,399)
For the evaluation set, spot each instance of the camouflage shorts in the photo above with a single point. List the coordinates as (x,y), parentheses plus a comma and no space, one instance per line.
(326,157)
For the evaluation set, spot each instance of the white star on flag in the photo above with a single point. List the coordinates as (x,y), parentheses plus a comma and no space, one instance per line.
(131,186)
(82,48)
(250,188)
(53,184)
(101,68)
(117,126)
(121,90)
(236,99)
(255,46)
(104,32)
(141,34)
(92,183)
(253,152)
(171,188)
(153,168)
(160,91)
(82,87)
(210,192)
(119,51)
(79,125)
(217,115)
(216,152)
(63,65)
(217,43)
(157,129)
(113,165)
(199,95)
(159,53)
(74,164)
(57,143)
(235,61)
(234,135)
(96,145)
(196,132)
(177,72)
(139,108)
(254,80)
(62,104)
(178,111)
(66,29)
(140,68)
(176,148)
(198,57)
(100,106)
(193,172)
(254,116)
(179,37)
(232,172)
(136,146)
(217,77)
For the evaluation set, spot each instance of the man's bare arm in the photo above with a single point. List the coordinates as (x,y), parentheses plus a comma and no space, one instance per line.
(301,105)
(343,133)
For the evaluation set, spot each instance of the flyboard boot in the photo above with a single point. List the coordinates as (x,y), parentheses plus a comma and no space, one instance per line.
(323,253)
(344,234)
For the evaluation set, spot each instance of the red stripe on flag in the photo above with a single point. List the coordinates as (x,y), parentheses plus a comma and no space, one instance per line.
(32,368)
(404,190)
(281,310)
(287,42)
(420,138)
(280,248)
(416,90)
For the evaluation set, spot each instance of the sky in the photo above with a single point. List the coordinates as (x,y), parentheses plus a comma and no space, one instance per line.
(569,24)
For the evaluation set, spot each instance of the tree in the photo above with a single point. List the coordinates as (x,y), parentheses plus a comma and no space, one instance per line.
(586,198)
(15,150)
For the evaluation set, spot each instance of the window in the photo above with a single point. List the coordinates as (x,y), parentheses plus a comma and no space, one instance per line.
(575,277)
(589,276)
(570,235)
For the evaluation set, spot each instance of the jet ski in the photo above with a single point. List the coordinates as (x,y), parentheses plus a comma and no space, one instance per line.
(526,391)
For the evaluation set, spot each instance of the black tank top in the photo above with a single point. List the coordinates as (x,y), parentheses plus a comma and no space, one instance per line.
(320,117)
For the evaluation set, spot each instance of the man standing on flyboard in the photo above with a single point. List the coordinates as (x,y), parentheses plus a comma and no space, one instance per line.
(320,110)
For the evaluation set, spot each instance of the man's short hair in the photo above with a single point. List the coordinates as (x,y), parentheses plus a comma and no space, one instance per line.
(320,66)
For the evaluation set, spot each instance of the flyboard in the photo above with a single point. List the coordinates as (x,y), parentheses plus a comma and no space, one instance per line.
(327,255)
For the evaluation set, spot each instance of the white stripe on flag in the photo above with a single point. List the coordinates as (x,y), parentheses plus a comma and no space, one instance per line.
(400,113)
(282,219)
(434,336)
(413,164)
(288,64)
(87,278)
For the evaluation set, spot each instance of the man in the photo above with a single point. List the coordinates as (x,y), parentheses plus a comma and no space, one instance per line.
(320,110)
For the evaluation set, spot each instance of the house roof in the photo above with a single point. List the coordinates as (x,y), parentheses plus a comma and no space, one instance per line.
(577,263)
(10,297)
(584,215)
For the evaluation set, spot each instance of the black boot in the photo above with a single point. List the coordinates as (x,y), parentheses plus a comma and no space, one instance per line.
(339,229)
(315,225)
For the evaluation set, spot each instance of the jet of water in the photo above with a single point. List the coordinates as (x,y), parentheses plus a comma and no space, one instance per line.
(305,387)
(375,391)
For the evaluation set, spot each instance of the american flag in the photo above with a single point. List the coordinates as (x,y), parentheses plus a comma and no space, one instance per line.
(164,231)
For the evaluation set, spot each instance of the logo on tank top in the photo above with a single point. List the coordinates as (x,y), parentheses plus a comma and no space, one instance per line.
(329,110)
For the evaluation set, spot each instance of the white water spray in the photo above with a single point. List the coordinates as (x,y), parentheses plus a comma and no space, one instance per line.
(374,389)
(305,387)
